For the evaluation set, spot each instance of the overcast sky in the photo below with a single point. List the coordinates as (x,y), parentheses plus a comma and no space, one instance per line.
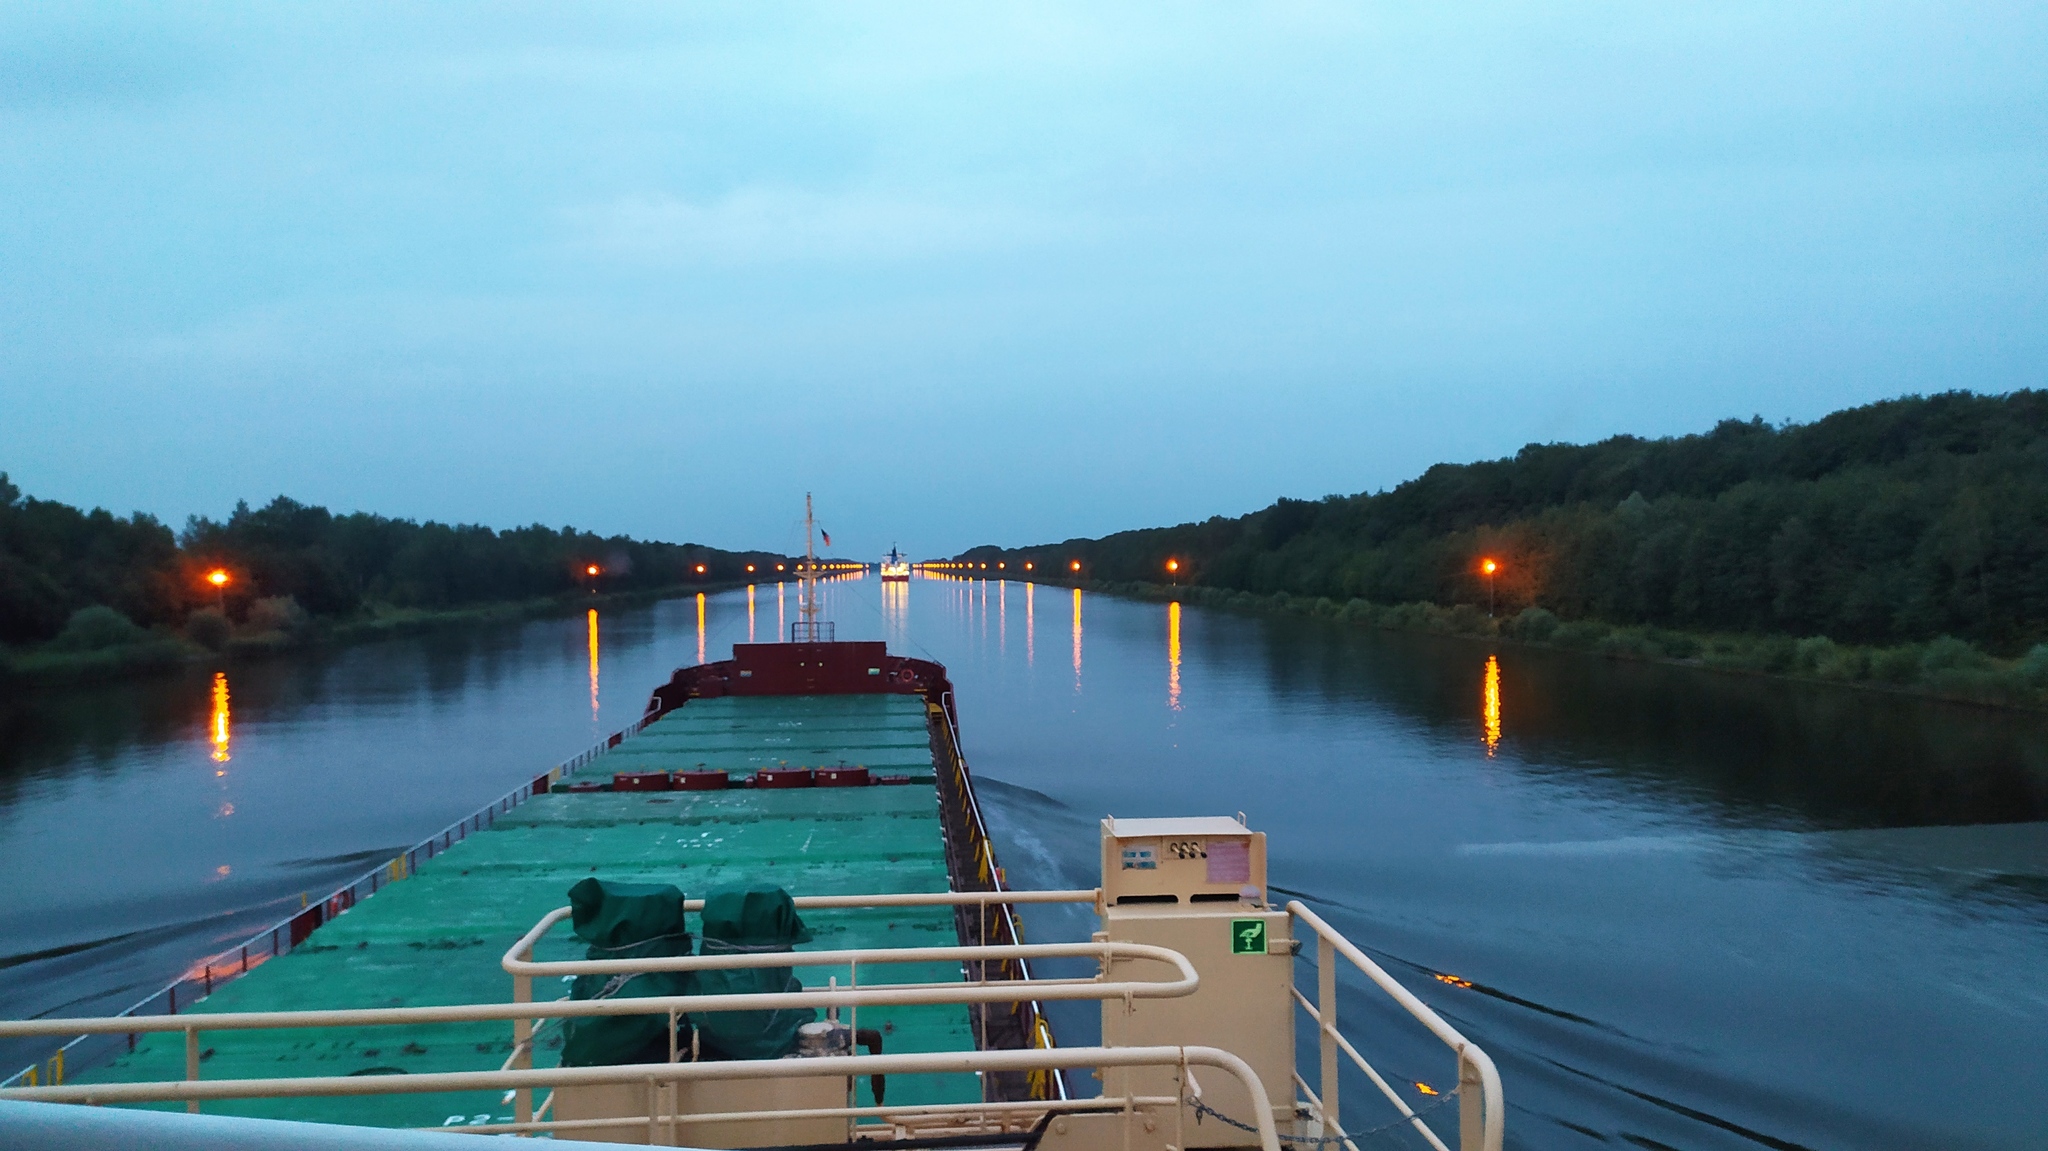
(979,273)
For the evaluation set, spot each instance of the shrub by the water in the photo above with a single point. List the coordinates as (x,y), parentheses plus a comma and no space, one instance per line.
(278,615)
(208,628)
(98,628)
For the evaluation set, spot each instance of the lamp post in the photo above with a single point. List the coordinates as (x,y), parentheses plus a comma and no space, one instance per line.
(218,577)
(1489,567)
(1173,570)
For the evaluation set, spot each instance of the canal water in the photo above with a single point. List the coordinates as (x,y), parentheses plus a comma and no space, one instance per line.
(1680,909)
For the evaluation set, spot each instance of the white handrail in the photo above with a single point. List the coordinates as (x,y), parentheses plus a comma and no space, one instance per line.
(1030,1059)
(992,991)
(1481,1132)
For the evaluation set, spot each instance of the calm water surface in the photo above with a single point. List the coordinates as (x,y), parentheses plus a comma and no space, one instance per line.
(1680,909)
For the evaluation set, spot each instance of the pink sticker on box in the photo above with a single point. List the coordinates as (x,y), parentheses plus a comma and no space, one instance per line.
(1230,861)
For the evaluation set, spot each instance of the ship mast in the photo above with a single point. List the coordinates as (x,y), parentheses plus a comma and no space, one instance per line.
(807,598)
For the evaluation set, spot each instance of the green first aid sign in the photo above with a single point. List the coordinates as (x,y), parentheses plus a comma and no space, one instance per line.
(1247,937)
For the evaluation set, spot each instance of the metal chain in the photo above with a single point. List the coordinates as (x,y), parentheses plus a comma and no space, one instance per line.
(1202,1108)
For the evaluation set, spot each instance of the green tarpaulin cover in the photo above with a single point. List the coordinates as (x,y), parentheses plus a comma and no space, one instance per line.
(625,921)
(736,921)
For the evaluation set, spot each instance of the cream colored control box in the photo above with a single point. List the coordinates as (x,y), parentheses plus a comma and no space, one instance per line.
(1196,860)
(1198,886)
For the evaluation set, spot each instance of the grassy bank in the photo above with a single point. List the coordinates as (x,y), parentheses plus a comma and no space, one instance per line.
(1945,668)
(112,648)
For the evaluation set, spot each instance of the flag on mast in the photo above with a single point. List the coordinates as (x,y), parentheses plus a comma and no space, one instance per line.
(827,535)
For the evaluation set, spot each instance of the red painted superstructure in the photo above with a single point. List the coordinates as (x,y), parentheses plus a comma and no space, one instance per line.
(852,668)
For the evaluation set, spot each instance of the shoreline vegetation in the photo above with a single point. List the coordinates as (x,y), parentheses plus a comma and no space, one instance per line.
(90,595)
(143,651)
(1901,545)
(1946,668)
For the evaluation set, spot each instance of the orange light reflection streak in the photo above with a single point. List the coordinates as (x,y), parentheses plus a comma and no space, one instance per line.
(593,663)
(1077,639)
(1490,704)
(700,627)
(1173,654)
(220,718)
(1030,624)
(750,613)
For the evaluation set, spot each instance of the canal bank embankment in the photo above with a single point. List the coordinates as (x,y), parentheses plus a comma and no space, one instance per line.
(1944,668)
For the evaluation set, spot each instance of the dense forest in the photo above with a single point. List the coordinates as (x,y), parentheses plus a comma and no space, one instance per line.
(92,579)
(1898,522)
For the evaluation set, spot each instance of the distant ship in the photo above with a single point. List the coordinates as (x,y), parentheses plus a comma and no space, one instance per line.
(895,569)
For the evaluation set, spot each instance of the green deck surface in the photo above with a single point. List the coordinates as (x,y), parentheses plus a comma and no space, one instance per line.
(882,732)
(437,936)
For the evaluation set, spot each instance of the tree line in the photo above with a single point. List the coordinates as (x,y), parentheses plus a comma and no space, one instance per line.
(1892,523)
(289,561)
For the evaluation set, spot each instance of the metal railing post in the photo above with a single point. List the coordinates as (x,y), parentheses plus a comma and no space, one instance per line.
(192,1064)
(1471,1105)
(1326,1006)
(522,1040)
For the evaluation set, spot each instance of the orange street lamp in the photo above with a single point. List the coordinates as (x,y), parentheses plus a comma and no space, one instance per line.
(1489,567)
(750,569)
(1075,566)
(1027,565)
(1173,565)
(591,570)
(700,569)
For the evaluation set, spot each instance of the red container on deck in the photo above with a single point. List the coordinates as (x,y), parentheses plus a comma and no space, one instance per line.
(701,780)
(784,777)
(843,777)
(640,781)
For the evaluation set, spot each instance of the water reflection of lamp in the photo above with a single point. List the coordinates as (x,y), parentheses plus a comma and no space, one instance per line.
(1173,654)
(700,627)
(1077,639)
(1489,704)
(593,660)
(220,718)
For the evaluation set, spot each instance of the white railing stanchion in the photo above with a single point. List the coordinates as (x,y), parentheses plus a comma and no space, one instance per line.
(192,1064)
(1326,1027)
(522,1043)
